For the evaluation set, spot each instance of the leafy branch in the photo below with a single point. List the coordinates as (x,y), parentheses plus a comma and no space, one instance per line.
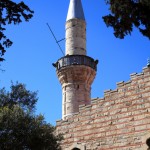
(11,13)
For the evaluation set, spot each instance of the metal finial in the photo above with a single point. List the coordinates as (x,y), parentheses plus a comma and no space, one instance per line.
(148,62)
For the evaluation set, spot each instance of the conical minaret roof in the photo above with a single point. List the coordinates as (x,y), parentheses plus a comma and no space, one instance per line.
(75,10)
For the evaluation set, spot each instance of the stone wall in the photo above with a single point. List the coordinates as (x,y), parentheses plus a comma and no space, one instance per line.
(119,121)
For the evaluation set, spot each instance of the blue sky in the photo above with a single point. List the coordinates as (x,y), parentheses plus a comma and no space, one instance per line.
(30,58)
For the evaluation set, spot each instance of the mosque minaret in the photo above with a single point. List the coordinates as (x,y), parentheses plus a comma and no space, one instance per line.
(75,70)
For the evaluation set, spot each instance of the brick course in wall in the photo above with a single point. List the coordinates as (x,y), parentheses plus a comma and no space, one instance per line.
(119,121)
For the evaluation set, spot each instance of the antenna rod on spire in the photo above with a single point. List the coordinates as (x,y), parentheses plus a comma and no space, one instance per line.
(56,39)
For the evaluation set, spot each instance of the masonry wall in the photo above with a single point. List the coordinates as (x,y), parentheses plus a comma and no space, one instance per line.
(119,121)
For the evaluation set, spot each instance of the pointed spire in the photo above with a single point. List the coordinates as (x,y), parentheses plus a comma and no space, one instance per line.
(75,10)
(148,62)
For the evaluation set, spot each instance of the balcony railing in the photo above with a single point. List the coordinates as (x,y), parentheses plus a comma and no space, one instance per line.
(76,60)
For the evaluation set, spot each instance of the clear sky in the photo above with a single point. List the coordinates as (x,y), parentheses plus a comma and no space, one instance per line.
(30,58)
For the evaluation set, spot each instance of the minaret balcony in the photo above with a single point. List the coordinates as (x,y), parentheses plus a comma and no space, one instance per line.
(76,60)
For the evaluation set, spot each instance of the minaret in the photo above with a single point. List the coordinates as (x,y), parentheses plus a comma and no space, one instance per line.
(75,29)
(75,70)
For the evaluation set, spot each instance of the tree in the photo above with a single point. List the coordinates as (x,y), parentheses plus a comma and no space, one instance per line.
(20,128)
(18,95)
(125,14)
(11,13)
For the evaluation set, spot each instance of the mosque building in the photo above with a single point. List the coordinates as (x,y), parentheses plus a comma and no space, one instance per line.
(120,120)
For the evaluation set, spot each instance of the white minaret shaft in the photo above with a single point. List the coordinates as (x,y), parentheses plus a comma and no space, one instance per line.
(75,29)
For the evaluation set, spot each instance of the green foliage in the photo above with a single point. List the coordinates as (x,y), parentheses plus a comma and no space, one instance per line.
(18,95)
(125,14)
(11,13)
(19,128)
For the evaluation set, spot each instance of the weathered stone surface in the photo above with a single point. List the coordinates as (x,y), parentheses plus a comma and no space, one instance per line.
(76,83)
(76,37)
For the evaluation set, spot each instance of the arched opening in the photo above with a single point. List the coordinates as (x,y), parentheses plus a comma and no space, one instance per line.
(77,146)
(75,149)
(148,143)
